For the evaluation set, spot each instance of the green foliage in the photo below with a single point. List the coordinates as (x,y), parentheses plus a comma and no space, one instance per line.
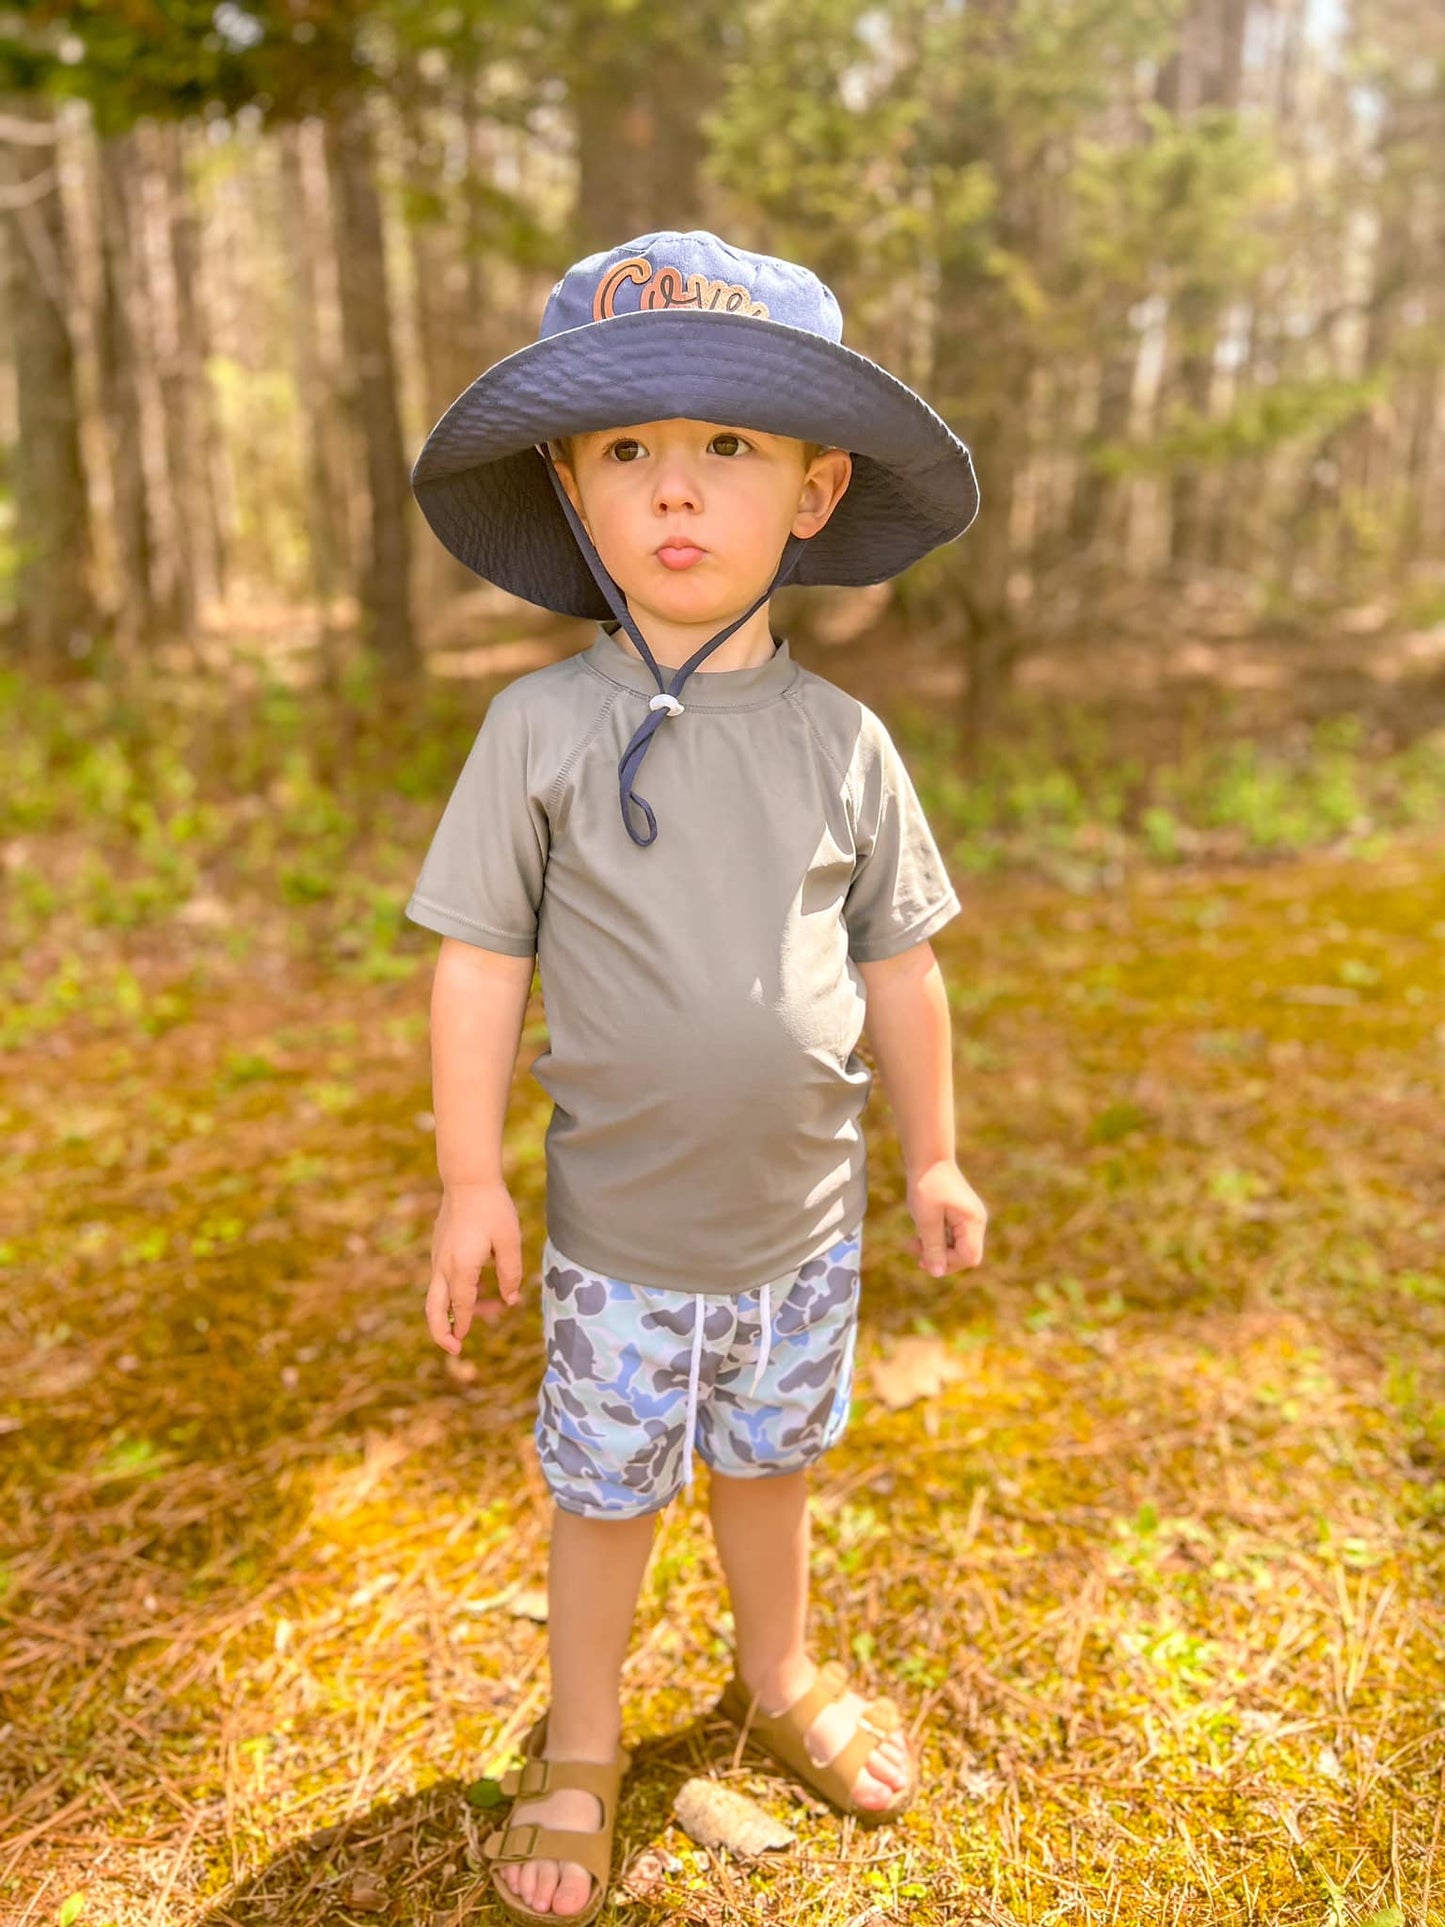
(1181,209)
(1189,1491)
(990,189)
(130,809)
(175,57)
(1057,796)
(130,1458)
(1260,420)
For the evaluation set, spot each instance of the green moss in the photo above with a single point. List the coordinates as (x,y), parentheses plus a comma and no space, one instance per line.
(1155,1573)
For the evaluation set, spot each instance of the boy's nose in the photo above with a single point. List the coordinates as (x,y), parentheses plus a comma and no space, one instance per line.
(676,488)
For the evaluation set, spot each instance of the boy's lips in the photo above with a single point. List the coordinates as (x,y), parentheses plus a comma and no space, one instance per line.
(679,555)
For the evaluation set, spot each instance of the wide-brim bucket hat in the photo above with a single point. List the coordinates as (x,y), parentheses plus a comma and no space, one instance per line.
(683,324)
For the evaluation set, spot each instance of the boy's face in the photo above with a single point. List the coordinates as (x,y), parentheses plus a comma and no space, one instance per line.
(691,517)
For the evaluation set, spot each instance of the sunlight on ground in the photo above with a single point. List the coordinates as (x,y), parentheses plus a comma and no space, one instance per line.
(1156,1578)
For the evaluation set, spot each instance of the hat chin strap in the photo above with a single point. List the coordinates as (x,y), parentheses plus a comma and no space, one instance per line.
(665,703)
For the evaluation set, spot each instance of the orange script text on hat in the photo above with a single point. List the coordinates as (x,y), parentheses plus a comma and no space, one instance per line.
(667,287)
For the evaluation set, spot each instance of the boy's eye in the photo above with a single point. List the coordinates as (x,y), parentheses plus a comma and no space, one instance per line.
(627,448)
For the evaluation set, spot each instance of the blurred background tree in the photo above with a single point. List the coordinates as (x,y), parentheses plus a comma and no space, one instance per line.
(1174,270)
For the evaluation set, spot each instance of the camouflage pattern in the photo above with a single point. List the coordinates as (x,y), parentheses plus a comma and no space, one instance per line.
(612,1410)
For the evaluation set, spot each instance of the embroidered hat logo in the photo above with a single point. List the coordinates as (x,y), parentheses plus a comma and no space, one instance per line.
(668,287)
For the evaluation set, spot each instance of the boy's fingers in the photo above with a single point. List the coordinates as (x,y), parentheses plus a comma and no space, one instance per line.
(965,1230)
(449,1309)
(934,1242)
(438,1304)
(462,1308)
(509,1267)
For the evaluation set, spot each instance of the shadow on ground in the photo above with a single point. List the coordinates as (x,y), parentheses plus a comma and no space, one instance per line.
(424,1853)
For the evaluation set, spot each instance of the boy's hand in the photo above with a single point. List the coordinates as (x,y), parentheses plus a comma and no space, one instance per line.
(950,1217)
(477,1222)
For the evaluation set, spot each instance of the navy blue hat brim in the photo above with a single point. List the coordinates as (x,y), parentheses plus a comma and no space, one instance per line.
(484,489)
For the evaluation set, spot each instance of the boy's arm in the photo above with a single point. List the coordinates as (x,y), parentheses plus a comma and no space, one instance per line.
(908,1026)
(478,1004)
(479,1000)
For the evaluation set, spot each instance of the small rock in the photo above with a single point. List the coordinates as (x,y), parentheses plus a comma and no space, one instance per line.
(366,1892)
(917,1367)
(646,1871)
(529,1603)
(715,1816)
(204,910)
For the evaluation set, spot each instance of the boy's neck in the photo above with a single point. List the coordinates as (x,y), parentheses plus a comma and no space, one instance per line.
(673,643)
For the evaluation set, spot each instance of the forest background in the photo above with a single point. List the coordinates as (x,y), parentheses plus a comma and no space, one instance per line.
(1160,1591)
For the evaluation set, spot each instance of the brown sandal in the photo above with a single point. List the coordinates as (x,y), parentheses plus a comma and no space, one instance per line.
(529,1841)
(784,1736)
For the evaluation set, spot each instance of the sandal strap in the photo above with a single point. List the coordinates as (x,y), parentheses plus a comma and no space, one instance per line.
(535,1777)
(829,1685)
(879,1716)
(528,1841)
(785,1734)
(846,1764)
(879,1720)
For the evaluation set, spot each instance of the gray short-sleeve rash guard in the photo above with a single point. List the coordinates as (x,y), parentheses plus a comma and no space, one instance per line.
(702,994)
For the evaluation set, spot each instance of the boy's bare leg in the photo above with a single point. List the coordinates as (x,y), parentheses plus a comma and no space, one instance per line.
(761,1529)
(593,1575)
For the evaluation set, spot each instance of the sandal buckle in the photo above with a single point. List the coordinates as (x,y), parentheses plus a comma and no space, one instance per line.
(521,1782)
(507,1851)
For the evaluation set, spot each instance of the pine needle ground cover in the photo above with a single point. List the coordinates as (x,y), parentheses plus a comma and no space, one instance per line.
(1155,1569)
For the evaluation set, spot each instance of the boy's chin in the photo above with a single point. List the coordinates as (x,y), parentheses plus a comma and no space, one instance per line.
(699,604)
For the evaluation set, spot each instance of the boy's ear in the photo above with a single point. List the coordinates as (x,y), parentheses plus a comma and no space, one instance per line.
(824,487)
(568,477)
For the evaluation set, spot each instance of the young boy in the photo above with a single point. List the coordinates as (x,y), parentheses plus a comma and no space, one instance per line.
(687,432)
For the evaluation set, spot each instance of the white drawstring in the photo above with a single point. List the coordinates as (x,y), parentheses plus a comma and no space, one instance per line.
(698,1325)
(765,1333)
(694,1370)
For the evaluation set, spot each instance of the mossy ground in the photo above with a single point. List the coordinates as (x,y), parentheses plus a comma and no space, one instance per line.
(1158,1580)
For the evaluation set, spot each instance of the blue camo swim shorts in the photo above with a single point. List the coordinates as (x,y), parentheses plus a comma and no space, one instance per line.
(761,1382)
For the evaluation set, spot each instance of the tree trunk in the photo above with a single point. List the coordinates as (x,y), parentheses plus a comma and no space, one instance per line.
(385,587)
(612,158)
(193,404)
(118,360)
(637,107)
(323,487)
(156,264)
(1205,72)
(990,641)
(1118,362)
(456,269)
(55,613)
(685,79)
